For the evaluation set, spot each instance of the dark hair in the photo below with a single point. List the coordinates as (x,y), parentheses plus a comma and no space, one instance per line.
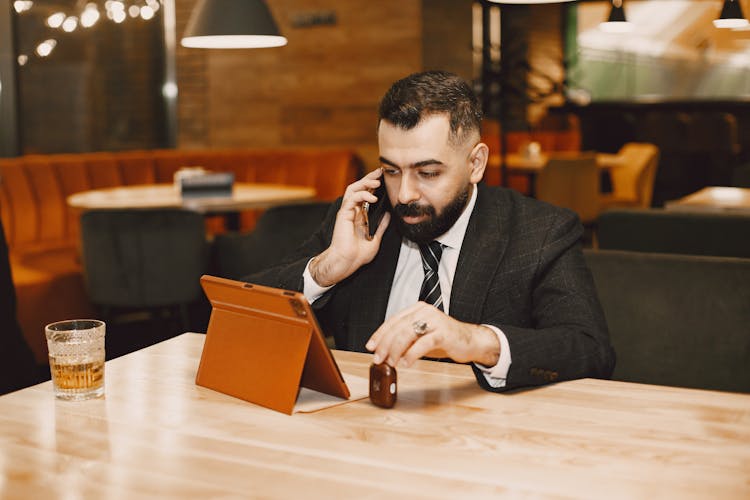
(418,95)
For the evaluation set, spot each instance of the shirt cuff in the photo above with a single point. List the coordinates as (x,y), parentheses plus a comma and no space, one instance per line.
(497,375)
(312,291)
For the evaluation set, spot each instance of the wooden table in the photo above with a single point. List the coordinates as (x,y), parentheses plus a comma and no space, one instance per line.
(714,199)
(151,196)
(157,434)
(244,196)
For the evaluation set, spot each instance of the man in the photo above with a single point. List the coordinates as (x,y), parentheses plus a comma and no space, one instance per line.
(504,287)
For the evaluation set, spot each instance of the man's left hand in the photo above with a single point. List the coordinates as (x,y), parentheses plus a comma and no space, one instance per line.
(399,341)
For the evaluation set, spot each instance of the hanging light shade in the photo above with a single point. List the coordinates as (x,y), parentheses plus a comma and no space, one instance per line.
(731,16)
(616,22)
(232,24)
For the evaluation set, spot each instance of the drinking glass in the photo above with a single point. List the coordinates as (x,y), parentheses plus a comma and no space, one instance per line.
(76,358)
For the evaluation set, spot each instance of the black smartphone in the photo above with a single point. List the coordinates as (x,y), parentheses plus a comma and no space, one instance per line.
(375,211)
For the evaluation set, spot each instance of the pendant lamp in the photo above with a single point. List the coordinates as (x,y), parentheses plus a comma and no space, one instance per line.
(616,22)
(731,16)
(232,24)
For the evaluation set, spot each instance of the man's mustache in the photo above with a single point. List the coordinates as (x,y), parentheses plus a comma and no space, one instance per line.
(413,210)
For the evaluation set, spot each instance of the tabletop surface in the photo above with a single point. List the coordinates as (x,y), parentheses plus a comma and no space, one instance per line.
(157,434)
(149,196)
(714,199)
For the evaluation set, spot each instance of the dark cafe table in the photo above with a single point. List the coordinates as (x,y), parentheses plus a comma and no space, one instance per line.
(149,196)
(159,435)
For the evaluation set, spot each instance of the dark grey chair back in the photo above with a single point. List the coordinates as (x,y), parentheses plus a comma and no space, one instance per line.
(143,258)
(664,231)
(679,320)
(280,230)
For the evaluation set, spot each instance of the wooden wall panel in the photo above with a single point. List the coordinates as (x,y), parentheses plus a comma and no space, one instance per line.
(322,89)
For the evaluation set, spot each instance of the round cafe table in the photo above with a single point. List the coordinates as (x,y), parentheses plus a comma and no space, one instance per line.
(149,196)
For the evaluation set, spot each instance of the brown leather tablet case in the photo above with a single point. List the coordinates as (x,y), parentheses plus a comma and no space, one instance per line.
(262,344)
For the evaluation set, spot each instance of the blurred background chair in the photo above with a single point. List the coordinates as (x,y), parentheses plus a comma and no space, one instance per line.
(679,320)
(571,180)
(633,179)
(665,231)
(149,260)
(278,232)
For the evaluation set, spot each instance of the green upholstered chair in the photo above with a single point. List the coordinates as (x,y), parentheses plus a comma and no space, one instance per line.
(665,231)
(679,320)
(279,231)
(144,259)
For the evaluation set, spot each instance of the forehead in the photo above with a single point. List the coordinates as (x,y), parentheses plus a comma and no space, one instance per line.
(429,139)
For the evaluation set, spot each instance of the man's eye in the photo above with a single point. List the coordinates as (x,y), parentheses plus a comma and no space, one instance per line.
(391,171)
(428,174)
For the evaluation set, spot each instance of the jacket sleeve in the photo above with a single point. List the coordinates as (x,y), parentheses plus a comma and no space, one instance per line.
(567,336)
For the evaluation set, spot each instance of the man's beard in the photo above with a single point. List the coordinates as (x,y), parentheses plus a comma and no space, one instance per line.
(426,231)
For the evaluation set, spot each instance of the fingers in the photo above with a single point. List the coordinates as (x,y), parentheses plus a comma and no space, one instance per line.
(396,342)
(356,198)
(369,182)
(377,338)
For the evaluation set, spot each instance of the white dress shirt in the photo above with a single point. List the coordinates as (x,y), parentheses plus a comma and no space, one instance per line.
(407,282)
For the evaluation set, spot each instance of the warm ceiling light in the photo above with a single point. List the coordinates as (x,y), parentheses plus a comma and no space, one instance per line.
(147,12)
(70,24)
(232,24)
(22,5)
(731,16)
(89,16)
(616,22)
(118,16)
(55,20)
(45,48)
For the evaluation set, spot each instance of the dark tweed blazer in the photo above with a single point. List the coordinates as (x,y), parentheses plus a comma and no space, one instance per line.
(521,269)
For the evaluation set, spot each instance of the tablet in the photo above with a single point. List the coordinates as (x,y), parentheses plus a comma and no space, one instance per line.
(263,344)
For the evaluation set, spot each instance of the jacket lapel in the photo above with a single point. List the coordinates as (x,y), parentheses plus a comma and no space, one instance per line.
(481,252)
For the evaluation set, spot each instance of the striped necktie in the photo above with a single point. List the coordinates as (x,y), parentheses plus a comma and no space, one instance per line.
(430,291)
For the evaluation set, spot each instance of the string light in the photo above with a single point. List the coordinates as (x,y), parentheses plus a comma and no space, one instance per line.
(115,10)
(22,5)
(70,24)
(90,15)
(56,20)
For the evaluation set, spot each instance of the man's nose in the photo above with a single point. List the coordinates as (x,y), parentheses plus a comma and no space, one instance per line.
(408,190)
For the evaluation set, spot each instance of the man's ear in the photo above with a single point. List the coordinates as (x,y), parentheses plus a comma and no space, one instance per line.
(478,161)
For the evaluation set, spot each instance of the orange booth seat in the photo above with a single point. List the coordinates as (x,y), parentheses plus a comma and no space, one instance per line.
(43,232)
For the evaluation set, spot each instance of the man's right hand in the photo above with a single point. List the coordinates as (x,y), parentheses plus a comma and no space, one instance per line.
(350,247)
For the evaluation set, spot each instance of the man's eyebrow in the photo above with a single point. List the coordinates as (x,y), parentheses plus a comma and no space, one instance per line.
(422,163)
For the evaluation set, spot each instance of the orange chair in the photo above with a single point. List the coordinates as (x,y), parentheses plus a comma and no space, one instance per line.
(633,177)
(571,180)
